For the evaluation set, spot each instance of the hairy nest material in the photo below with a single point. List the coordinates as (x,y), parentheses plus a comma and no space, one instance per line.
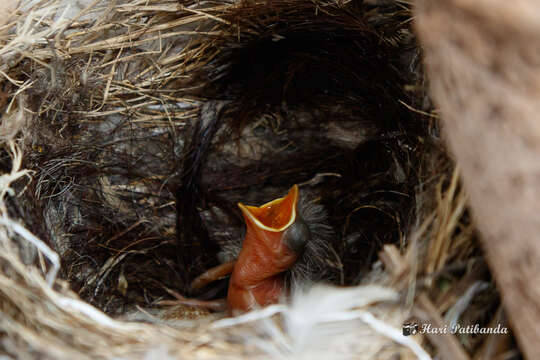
(130,130)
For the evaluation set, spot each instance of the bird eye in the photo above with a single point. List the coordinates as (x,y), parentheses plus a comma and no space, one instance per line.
(297,235)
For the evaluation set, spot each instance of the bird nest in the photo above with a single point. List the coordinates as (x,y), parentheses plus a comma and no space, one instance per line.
(131,130)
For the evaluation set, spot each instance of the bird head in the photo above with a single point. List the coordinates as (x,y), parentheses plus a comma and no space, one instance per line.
(277,224)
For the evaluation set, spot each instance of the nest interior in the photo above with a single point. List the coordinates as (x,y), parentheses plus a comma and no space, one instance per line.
(137,183)
(151,121)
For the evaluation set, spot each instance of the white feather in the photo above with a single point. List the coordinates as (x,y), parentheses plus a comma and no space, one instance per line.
(325,322)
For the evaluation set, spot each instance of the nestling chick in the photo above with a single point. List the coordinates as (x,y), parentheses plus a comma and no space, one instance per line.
(276,235)
(286,241)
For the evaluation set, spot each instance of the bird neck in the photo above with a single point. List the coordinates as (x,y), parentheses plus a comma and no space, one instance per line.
(257,278)
(263,255)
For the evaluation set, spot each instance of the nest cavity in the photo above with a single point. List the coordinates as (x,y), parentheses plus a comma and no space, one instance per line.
(151,121)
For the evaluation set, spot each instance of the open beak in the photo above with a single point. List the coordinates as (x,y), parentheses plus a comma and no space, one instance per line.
(269,221)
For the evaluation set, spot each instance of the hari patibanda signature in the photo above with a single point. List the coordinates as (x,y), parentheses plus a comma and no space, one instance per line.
(459,329)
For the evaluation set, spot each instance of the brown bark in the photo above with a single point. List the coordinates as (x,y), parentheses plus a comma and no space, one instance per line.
(483,61)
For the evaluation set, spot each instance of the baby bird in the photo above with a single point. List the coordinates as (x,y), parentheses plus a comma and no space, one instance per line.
(286,243)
